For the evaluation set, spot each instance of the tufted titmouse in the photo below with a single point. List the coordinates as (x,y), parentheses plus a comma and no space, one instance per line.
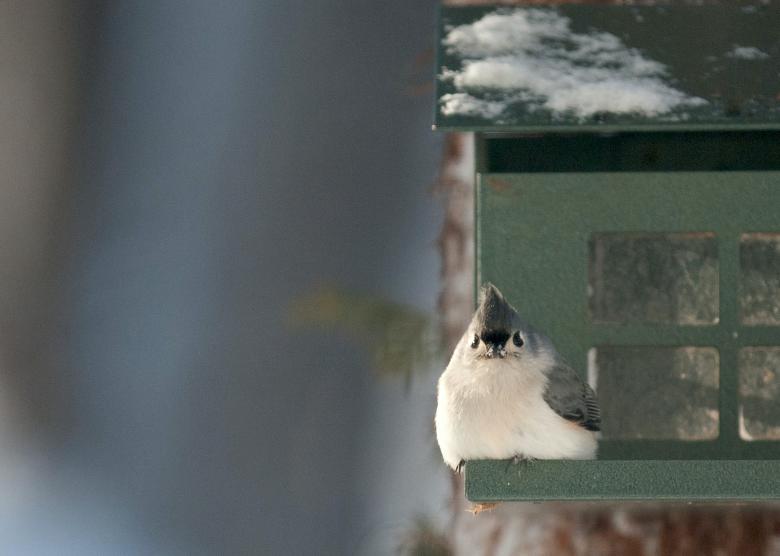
(507,393)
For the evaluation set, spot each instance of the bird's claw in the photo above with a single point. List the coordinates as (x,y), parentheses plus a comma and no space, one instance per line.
(518,459)
(480,507)
(461,465)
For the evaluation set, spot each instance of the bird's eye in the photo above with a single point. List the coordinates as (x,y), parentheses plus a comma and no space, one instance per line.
(475,342)
(517,340)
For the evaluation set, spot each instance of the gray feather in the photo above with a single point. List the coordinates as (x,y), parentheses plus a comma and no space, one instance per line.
(571,398)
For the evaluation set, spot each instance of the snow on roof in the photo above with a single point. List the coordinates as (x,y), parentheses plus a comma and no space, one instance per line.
(747,53)
(534,57)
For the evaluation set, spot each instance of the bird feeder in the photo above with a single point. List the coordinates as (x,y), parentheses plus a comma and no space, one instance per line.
(628,205)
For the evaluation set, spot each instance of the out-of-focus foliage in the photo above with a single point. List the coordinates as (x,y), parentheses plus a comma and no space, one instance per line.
(401,339)
(424,539)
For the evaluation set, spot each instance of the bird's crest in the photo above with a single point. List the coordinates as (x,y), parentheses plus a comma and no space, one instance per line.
(494,313)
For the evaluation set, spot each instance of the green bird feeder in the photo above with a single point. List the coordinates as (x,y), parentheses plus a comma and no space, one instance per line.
(628,204)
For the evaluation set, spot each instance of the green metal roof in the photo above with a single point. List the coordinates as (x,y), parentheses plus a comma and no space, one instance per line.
(609,68)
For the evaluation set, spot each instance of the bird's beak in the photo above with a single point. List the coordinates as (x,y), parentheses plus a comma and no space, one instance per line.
(495,351)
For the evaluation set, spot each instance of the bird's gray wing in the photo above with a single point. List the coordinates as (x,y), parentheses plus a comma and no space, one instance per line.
(571,398)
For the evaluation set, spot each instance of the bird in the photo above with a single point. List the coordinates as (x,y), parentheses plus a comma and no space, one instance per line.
(508,394)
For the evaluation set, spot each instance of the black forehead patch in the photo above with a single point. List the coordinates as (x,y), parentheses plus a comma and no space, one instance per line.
(495,337)
(494,314)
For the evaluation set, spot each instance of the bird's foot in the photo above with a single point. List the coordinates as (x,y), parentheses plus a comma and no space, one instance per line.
(518,459)
(480,507)
(461,465)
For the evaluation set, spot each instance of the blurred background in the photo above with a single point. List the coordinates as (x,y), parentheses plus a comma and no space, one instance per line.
(194,197)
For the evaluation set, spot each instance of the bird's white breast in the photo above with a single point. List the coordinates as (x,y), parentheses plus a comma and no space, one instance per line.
(496,411)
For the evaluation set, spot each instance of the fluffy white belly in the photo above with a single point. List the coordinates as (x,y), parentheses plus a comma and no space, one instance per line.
(503,416)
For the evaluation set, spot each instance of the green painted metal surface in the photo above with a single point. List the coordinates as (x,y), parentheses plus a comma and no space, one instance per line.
(682,480)
(591,68)
(535,240)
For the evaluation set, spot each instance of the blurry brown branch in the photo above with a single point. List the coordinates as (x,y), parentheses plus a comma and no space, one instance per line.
(424,539)
(418,79)
(456,248)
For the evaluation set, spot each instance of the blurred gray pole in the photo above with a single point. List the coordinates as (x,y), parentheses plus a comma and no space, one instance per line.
(39,104)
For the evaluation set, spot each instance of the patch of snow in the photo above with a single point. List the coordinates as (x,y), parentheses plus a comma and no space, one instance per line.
(467,105)
(532,55)
(747,53)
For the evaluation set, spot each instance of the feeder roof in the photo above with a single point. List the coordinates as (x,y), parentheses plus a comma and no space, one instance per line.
(608,68)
